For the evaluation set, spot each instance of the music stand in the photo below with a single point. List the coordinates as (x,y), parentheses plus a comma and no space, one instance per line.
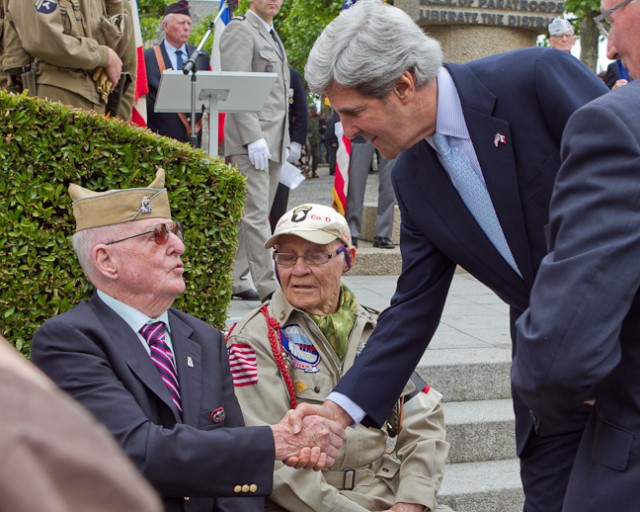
(217,91)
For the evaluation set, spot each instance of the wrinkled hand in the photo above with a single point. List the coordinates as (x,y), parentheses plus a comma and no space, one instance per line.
(114,67)
(259,154)
(316,443)
(330,410)
(295,152)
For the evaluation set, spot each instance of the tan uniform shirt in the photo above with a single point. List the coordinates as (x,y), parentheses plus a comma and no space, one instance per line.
(412,473)
(66,39)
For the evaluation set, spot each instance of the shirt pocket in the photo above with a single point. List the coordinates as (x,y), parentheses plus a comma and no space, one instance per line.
(72,19)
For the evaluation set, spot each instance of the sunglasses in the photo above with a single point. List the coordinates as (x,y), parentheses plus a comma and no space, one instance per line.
(160,233)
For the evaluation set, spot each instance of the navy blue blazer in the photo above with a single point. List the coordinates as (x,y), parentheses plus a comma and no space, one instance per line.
(168,124)
(527,96)
(93,354)
(588,346)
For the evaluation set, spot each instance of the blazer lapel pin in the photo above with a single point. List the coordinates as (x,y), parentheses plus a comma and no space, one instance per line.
(499,139)
(189,362)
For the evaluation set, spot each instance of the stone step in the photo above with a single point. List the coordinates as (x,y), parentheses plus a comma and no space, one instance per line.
(373,261)
(368,222)
(483,487)
(468,373)
(481,430)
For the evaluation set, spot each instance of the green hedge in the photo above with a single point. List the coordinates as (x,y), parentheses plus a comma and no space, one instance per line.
(44,147)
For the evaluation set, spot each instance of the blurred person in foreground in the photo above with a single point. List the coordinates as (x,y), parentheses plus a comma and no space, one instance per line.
(54,455)
(301,342)
(578,341)
(478,149)
(156,377)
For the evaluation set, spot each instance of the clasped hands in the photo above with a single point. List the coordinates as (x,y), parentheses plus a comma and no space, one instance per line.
(310,436)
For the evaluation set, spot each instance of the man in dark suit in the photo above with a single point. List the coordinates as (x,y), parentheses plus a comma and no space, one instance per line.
(157,378)
(172,53)
(578,341)
(503,116)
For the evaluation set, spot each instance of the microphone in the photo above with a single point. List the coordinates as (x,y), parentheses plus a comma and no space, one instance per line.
(191,62)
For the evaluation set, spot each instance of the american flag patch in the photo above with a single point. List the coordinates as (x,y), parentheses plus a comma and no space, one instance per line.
(244,366)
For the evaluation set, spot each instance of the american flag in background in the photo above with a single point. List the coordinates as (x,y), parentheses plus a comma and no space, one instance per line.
(243,363)
(139,114)
(341,177)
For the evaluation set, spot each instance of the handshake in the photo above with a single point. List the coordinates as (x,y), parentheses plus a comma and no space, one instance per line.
(310,437)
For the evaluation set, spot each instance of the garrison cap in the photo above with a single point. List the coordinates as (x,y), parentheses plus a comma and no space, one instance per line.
(180,7)
(96,209)
(559,26)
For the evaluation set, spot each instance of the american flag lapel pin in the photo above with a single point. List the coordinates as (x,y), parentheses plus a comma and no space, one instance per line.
(499,139)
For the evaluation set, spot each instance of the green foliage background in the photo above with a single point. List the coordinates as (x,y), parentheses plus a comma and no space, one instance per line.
(44,148)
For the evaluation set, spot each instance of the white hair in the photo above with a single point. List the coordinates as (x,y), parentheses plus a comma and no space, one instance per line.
(368,47)
(84,241)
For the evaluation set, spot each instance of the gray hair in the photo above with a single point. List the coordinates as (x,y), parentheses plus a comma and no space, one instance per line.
(368,47)
(84,241)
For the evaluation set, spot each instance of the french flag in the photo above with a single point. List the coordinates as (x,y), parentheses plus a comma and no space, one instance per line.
(139,114)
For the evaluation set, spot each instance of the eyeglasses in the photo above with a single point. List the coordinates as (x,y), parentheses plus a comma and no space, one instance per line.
(160,233)
(603,22)
(313,259)
(565,34)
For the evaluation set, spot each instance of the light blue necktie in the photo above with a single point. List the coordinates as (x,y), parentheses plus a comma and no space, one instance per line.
(475,195)
(179,60)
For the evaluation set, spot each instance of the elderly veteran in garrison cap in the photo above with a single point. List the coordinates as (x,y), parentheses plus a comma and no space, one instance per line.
(561,35)
(157,377)
(299,344)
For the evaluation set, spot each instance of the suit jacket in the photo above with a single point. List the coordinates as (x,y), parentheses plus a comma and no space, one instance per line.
(93,354)
(169,124)
(527,96)
(246,45)
(587,347)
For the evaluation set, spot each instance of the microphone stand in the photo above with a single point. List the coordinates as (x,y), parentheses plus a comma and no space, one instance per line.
(191,66)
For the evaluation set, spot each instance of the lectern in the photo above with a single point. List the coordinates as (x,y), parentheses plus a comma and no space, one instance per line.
(217,91)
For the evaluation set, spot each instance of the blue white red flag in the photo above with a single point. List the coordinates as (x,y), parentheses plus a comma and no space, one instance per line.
(222,22)
(139,113)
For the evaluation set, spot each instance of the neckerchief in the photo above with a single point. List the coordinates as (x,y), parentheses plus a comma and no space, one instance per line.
(337,326)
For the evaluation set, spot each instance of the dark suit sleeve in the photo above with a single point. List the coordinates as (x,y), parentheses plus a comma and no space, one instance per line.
(203,460)
(298,113)
(405,329)
(569,339)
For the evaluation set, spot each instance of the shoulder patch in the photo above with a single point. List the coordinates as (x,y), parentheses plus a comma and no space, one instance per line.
(301,351)
(46,6)
(238,18)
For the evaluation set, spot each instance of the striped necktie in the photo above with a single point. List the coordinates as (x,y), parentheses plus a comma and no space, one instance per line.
(154,333)
(475,195)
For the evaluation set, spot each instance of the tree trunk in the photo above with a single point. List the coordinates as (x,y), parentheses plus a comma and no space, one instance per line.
(589,40)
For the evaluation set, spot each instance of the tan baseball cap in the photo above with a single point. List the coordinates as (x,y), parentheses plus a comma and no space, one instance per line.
(314,222)
(95,209)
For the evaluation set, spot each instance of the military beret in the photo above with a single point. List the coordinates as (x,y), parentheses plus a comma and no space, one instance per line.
(180,7)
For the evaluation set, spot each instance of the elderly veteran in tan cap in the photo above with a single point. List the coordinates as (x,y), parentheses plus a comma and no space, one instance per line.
(295,348)
(156,377)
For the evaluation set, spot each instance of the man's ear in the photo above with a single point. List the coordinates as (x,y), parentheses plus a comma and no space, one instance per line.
(404,87)
(351,251)
(104,262)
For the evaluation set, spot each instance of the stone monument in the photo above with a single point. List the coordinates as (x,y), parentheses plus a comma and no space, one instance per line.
(470,29)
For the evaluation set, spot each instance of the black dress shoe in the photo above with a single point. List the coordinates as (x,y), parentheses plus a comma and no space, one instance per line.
(250,294)
(354,241)
(384,242)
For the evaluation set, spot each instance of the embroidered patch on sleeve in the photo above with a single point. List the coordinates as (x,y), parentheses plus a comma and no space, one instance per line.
(46,6)
(244,366)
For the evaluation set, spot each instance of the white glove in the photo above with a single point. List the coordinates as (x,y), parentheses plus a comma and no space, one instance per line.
(259,154)
(295,152)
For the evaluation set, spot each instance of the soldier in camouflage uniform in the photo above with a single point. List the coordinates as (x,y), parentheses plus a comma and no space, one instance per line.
(295,348)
